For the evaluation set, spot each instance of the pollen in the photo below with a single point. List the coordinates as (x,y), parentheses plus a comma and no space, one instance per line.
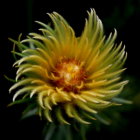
(70,75)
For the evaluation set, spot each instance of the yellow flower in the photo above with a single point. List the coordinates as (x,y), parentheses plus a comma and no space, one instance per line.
(72,77)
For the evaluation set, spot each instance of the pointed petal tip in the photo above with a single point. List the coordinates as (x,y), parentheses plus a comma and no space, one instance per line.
(126,82)
(92,10)
(115,31)
(14,98)
(36,21)
(55,13)
(9,90)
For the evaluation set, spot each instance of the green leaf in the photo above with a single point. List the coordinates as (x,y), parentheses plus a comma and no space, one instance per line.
(83,131)
(19,101)
(19,44)
(102,118)
(9,79)
(49,131)
(29,113)
(122,101)
(68,133)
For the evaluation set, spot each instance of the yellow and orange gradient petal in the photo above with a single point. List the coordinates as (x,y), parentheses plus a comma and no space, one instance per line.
(75,76)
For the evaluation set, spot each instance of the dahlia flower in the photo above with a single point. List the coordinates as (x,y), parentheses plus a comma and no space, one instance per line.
(70,77)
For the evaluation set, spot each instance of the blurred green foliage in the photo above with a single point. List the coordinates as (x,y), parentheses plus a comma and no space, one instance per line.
(120,15)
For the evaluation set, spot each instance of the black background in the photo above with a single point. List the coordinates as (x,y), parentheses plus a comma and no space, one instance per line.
(18,17)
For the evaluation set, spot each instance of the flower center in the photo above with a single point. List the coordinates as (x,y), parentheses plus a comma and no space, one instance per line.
(70,75)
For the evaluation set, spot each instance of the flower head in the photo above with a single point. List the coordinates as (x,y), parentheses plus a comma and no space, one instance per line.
(72,77)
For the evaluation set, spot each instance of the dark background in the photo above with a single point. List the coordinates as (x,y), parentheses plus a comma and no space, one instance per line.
(18,17)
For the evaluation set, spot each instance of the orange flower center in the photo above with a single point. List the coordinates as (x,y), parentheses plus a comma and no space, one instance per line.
(70,75)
